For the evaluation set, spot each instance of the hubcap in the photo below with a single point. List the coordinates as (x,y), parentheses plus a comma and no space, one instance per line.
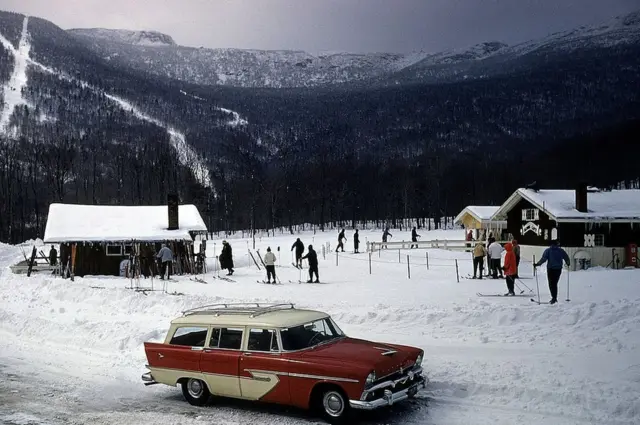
(333,403)
(195,388)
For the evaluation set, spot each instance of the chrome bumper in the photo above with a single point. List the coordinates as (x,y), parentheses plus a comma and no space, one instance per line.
(389,397)
(148,379)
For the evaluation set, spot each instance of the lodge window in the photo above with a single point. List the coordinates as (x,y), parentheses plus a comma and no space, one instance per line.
(114,250)
(530,214)
(127,249)
(190,336)
(598,240)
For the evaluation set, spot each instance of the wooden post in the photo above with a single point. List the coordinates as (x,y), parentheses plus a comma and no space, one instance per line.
(534,265)
(427,254)
(399,261)
(369,263)
(457,271)
(408,268)
(336,257)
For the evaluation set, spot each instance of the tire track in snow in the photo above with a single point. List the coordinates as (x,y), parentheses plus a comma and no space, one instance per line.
(18,80)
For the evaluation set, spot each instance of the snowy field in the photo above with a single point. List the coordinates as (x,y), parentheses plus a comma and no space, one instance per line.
(72,352)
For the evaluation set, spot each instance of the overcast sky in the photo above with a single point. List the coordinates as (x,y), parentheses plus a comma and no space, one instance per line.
(334,25)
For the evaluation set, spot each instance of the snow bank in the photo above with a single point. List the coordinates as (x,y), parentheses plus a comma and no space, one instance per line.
(490,360)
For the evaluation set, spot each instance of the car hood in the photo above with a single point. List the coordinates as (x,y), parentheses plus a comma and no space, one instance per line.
(366,354)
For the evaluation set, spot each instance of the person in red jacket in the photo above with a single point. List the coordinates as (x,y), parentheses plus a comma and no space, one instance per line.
(510,268)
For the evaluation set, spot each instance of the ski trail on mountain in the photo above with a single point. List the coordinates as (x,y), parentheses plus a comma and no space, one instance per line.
(13,89)
(236,121)
(13,98)
(186,155)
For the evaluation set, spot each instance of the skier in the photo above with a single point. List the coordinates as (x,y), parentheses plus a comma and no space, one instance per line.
(53,256)
(269,263)
(510,268)
(312,257)
(495,252)
(226,257)
(166,257)
(554,256)
(478,258)
(356,241)
(299,247)
(340,237)
(516,251)
(385,234)
(414,236)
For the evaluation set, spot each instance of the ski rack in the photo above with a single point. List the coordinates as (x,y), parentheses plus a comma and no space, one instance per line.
(251,309)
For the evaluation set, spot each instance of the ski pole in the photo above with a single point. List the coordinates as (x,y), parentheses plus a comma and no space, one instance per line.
(523,284)
(538,286)
(518,286)
(568,273)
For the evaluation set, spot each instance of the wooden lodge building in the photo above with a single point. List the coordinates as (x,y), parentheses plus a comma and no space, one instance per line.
(103,236)
(595,227)
(479,219)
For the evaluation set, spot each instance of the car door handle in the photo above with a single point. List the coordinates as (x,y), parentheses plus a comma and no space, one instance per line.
(160,356)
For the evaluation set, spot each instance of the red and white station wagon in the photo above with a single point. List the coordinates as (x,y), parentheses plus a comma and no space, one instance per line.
(280,354)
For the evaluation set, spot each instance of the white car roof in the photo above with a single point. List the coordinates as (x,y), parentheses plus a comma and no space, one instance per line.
(269,316)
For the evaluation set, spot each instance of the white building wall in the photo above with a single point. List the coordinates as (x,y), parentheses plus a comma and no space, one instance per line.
(600,256)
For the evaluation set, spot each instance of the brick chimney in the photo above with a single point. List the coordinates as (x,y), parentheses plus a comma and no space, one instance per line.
(172,205)
(581,198)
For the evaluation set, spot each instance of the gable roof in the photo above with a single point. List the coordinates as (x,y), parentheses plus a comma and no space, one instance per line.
(109,223)
(560,205)
(480,213)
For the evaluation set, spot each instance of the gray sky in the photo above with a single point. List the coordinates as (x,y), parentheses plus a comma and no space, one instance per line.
(334,25)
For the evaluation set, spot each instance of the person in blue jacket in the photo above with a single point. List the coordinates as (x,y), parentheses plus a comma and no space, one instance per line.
(554,256)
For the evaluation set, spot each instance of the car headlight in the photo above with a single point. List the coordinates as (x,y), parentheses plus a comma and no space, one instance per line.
(419,359)
(371,378)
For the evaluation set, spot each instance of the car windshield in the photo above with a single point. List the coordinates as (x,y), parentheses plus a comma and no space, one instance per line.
(310,334)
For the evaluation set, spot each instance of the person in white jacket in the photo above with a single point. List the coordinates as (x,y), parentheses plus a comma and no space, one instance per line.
(495,251)
(270,264)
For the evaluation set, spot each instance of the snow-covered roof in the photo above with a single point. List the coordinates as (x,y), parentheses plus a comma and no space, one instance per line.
(560,205)
(109,223)
(480,213)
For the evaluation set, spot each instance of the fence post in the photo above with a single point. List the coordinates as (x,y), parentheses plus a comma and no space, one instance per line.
(427,255)
(399,261)
(369,263)
(336,257)
(534,265)
(457,272)
(408,268)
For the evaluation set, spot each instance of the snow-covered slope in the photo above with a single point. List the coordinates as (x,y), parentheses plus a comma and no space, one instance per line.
(138,38)
(13,96)
(256,68)
(76,347)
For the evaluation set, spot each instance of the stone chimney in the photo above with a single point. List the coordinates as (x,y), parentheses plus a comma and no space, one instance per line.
(581,198)
(172,205)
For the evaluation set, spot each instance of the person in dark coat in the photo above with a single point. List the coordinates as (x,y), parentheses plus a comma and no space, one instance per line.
(299,247)
(341,236)
(414,237)
(226,257)
(385,235)
(356,241)
(53,256)
(312,258)
(554,256)
(516,251)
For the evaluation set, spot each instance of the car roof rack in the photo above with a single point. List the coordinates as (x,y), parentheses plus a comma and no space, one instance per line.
(251,309)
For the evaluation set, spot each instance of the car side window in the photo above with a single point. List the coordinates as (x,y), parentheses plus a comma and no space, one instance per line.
(230,338)
(190,336)
(263,340)
(214,341)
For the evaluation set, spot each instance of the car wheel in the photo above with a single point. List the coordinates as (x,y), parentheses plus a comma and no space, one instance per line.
(195,391)
(334,405)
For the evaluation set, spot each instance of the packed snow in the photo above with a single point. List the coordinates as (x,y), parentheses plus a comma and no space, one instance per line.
(115,223)
(72,352)
(13,89)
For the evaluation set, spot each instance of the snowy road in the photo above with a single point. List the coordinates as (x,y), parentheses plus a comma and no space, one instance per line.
(72,353)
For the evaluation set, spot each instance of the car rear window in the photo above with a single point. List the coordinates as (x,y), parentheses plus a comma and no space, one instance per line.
(192,336)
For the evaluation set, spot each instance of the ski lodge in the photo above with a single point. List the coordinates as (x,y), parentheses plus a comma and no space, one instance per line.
(103,236)
(479,219)
(595,227)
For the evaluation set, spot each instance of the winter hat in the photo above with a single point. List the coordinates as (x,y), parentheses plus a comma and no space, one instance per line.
(269,249)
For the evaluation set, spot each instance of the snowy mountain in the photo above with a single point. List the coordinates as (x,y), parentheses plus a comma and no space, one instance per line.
(105,126)
(136,38)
